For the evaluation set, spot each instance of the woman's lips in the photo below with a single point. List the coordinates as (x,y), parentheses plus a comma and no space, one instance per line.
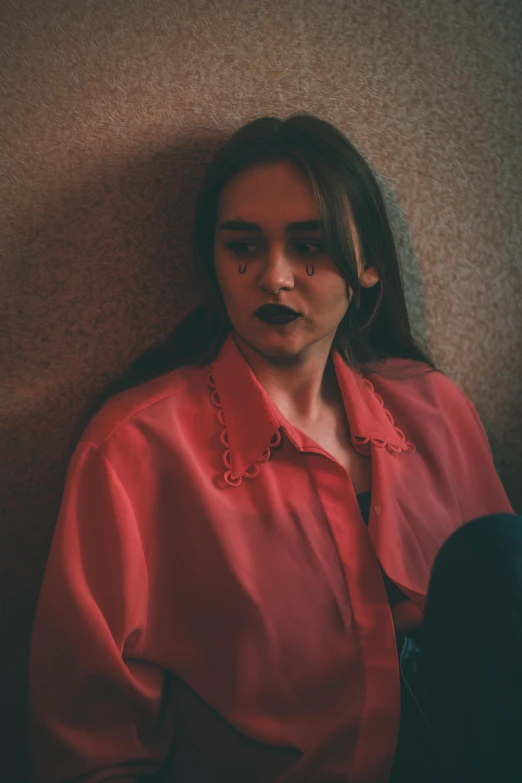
(276,314)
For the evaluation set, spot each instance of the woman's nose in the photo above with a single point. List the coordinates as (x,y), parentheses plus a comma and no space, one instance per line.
(276,272)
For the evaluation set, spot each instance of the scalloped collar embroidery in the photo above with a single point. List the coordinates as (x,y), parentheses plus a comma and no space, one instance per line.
(251,425)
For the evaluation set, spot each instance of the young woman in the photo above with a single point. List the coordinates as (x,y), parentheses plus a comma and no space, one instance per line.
(249,525)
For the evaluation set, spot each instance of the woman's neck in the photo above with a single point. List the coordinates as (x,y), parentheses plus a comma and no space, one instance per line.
(302,390)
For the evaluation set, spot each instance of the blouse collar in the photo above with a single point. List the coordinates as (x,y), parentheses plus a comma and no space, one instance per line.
(251,421)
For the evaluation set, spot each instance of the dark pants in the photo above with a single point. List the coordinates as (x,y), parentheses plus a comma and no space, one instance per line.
(461,673)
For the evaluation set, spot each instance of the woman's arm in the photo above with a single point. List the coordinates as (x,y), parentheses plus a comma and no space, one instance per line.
(94,705)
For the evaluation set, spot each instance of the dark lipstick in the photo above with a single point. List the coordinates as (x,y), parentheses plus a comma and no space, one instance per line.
(276,314)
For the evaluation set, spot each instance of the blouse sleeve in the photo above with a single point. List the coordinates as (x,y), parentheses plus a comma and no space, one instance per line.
(96,707)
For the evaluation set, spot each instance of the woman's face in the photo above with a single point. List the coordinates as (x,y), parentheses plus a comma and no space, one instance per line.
(273,258)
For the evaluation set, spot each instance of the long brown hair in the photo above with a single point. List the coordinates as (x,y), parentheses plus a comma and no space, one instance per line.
(376,325)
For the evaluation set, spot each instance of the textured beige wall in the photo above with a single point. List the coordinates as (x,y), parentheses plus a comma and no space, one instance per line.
(109,112)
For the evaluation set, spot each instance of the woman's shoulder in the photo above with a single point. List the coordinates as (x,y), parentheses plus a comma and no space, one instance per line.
(412,380)
(429,401)
(173,390)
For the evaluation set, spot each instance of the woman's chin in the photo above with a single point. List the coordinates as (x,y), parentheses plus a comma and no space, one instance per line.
(275,345)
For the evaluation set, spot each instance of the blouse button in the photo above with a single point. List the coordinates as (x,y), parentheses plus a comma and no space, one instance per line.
(377,509)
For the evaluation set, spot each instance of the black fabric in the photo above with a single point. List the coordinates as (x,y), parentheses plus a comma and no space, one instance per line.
(393,592)
(461,673)
(471,648)
(364,499)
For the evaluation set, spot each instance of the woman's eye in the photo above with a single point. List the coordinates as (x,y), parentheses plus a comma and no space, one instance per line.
(317,245)
(236,247)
